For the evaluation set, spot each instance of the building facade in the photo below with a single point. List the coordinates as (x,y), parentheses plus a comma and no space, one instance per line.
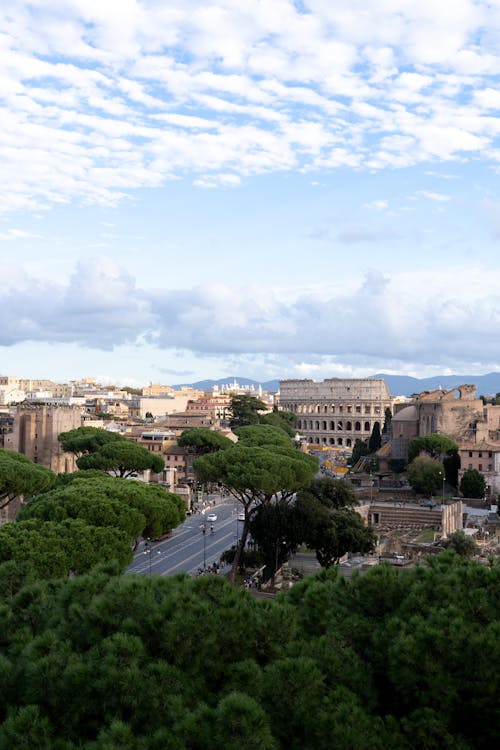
(337,411)
(35,430)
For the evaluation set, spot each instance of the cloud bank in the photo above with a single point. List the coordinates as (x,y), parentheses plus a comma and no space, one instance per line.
(400,317)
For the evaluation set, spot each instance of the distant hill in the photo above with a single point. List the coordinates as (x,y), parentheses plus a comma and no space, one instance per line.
(399,385)
(402,385)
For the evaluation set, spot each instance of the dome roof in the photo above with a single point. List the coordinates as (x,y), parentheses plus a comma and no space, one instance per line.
(408,414)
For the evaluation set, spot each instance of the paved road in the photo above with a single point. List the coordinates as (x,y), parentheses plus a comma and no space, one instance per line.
(187,548)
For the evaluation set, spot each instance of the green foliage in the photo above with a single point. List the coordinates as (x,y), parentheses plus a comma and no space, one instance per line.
(19,476)
(245,410)
(264,436)
(325,521)
(275,530)
(126,664)
(463,545)
(134,507)
(57,549)
(451,465)
(255,474)
(391,659)
(436,445)
(332,532)
(91,501)
(249,559)
(162,510)
(285,420)
(359,450)
(397,465)
(386,429)
(375,439)
(332,493)
(203,440)
(86,439)
(425,475)
(122,457)
(473,484)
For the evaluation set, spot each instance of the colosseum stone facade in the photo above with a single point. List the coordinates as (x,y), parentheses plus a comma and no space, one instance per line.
(337,411)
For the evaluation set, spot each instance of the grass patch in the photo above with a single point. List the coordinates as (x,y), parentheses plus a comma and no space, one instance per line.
(427,535)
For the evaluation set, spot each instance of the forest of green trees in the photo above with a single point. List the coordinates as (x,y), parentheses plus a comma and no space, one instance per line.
(391,659)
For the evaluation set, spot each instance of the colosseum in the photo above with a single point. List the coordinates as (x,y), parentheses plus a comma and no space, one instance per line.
(336,411)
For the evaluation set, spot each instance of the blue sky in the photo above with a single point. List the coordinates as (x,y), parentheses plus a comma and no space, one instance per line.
(266,189)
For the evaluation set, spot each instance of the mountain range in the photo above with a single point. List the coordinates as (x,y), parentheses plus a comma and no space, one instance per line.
(398,385)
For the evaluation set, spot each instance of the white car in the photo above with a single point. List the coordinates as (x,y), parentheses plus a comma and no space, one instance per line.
(211,517)
(241,517)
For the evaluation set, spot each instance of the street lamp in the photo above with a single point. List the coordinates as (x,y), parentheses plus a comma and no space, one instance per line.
(442,493)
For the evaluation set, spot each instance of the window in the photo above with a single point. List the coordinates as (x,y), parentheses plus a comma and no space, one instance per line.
(358,409)
(470,454)
(480,467)
(367,427)
(349,409)
(367,409)
(469,466)
(357,426)
(348,426)
(480,454)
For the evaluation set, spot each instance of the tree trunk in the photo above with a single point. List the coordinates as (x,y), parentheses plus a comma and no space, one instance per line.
(239,553)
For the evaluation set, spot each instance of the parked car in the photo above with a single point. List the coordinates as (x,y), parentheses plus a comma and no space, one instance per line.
(241,517)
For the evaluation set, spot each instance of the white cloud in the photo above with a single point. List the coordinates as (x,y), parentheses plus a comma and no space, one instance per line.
(408,318)
(356,234)
(438,197)
(19,234)
(378,205)
(136,93)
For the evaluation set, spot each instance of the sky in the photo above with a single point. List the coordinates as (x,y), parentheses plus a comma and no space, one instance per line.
(262,188)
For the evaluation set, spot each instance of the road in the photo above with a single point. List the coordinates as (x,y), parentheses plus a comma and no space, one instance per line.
(187,548)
